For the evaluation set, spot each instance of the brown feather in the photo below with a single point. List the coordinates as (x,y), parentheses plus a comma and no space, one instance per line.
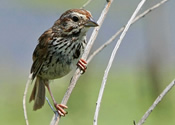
(38,93)
(40,52)
(81,11)
(39,55)
(32,96)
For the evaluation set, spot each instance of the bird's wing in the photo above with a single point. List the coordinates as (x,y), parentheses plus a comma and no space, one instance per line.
(40,52)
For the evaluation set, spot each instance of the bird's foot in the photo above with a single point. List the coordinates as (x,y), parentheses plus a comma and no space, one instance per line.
(60,108)
(82,64)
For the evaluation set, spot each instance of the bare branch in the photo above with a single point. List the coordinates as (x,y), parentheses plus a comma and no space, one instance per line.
(24,98)
(121,29)
(157,101)
(149,10)
(55,120)
(104,45)
(111,60)
(86,3)
(95,32)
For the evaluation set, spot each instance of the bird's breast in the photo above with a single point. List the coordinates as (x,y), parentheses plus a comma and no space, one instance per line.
(62,58)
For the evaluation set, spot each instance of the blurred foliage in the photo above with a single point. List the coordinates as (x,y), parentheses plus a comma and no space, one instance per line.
(126,98)
(47,5)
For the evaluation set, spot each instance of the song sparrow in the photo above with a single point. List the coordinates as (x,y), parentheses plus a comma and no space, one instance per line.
(58,51)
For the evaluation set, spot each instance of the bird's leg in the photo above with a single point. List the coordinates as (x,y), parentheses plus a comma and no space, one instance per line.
(59,107)
(82,64)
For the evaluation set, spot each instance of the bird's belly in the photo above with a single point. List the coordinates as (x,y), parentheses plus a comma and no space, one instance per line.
(59,63)
(57,69)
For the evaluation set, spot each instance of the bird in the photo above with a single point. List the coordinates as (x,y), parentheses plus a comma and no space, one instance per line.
(58,51)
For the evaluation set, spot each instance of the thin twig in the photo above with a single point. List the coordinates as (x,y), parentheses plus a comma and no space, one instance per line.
(86,3)
(55,120)
(157,101)
(24,98)
(111,61)
(121,29)
(150,9)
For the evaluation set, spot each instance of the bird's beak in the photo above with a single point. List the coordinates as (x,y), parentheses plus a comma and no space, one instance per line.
(91,23)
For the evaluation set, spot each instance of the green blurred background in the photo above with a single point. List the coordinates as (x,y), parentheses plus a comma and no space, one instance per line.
(143,67)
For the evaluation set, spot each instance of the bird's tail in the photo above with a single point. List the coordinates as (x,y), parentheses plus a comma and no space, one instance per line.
(38,93)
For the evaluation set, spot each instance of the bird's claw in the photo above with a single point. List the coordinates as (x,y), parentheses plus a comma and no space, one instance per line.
(60,108)
(83,65)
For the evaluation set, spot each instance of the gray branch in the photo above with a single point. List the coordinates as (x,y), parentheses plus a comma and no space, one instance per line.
(111,60)
(156,102)
(121,29)
(86,3)
(24,98)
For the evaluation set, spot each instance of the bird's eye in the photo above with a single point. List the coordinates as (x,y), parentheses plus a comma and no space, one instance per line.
(75,19)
